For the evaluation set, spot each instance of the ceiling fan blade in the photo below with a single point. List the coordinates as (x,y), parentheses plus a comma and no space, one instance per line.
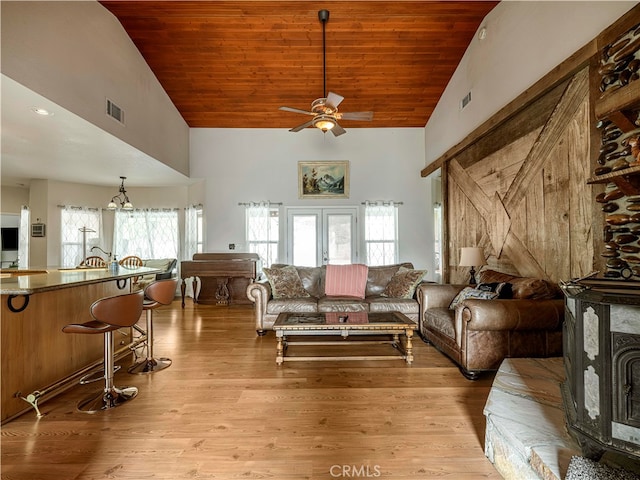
(301,127)
(333,99)
(366,116)
(296,110)
(337,130)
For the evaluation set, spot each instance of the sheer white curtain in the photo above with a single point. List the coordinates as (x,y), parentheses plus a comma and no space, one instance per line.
(79,227)
(381,232)
(146,234)
(192,231)
(193,238)
(23,241)
(262,231)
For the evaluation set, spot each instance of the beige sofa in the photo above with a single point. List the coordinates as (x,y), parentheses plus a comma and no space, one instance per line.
(167,265)
(267,308)
(477,334)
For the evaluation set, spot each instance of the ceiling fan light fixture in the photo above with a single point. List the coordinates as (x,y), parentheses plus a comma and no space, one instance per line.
(324,122)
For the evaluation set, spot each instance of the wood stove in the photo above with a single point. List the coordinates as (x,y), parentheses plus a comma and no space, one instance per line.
(602,361)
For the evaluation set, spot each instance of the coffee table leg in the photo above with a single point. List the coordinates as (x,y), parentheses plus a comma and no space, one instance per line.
(409,347)
(279,348)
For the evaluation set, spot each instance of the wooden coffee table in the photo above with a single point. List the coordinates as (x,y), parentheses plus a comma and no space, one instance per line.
(349,324)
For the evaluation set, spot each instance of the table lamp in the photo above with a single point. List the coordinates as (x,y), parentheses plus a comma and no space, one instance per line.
(472,257)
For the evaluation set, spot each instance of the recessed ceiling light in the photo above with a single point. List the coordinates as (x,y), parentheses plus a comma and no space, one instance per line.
(41,111)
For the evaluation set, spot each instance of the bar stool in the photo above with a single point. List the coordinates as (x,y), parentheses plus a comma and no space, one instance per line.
(157,294)
(109,313)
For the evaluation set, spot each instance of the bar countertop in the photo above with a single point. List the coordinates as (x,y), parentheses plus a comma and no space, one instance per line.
(36,280)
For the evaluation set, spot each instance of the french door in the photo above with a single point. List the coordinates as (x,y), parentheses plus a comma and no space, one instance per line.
(318,236)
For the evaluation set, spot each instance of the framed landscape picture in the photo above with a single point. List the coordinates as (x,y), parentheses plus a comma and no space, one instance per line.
(329,179)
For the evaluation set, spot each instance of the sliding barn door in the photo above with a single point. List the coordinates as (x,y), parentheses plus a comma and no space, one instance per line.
(520,191)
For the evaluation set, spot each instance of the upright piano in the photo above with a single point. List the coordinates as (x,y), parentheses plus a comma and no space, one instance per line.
(219,278)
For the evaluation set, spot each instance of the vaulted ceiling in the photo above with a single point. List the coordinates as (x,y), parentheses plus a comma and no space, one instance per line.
(232,64)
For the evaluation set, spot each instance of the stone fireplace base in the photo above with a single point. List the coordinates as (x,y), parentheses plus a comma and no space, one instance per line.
(526,435)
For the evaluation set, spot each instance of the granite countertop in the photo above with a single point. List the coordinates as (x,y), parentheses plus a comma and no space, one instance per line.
(35,280)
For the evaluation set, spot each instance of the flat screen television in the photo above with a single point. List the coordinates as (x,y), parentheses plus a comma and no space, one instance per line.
(9,237)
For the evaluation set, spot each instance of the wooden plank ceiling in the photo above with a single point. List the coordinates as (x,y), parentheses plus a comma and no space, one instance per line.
(231,64)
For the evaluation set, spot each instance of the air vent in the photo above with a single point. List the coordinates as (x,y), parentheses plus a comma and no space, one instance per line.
(115,112)
(465,100)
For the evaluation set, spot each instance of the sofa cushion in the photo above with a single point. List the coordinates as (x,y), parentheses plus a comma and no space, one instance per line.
(523,287)
(386,304)
(159,263)
(346,280)
(296,305)
(403,283)
(379,276)
(312,279)
(342,304)
(285,282)
(442,320)
(470,292)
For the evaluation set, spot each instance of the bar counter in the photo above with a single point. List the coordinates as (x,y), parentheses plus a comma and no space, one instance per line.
(38,361)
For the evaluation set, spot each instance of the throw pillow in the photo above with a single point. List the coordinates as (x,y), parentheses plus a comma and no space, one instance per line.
(346,280)
(403,283)
(285,282)
(503,289)
(470,292)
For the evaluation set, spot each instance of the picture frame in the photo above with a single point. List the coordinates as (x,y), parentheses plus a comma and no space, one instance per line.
(323,179)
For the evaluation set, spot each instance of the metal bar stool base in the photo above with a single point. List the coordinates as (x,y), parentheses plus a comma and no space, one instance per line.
(150,365)
(95,376)
(106,400)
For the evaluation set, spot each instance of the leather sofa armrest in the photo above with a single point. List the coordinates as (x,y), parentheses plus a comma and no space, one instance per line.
(436,295)
(485,315)
(260,294)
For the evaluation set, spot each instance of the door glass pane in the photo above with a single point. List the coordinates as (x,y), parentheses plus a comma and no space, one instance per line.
(339,239)
(305,232)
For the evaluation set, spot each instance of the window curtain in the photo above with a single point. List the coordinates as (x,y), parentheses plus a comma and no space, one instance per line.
(381,233)
(191,238)
(146,234)
(262,231)
(80,227)
(190,231)
(23,241)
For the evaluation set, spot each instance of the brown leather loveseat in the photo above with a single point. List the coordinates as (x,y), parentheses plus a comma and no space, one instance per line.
(477,334)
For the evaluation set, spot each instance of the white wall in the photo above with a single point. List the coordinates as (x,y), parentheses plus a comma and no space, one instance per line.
(524,42)
(76,54)
(245,165)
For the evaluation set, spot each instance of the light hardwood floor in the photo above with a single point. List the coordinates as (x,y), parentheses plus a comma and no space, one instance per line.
(224,410)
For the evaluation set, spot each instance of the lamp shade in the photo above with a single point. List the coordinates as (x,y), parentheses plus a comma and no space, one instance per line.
(472,257)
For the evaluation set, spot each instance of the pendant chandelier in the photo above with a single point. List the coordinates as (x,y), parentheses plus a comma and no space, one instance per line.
(121,199)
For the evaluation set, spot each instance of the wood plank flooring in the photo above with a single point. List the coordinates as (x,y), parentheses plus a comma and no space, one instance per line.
(224,410)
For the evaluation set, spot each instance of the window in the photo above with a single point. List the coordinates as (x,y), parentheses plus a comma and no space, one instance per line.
(381,233)
(146,233)
(80,228)
(262,231)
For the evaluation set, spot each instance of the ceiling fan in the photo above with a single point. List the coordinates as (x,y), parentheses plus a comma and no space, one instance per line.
(325,110)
